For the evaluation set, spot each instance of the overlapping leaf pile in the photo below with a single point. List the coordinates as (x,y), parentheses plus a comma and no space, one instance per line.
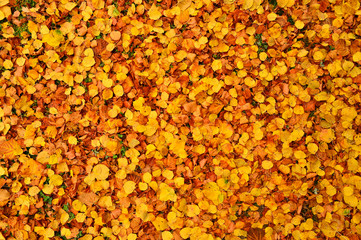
(168,120)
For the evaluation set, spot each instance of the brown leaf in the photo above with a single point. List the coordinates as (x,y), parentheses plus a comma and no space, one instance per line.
(255,234)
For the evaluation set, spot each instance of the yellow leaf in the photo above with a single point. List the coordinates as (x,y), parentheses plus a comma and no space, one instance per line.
(347,191)
(33,28)
(64,217)
(212,192)
(107,82)
(53,110)
(290,3)
(166,235)
(168,174)
(88,61)
(49,233)
(89,52)
(98,4)
(248,4)
(299,110)
(272,16)
(51,131)
(142,211)
(203,40)
(118,90)
(101,172)
(134,31)
(147,177)
(172,216)
(351,200)
(65,232)
(180,55)
(352,164)
(312,148)
(69,6)
(33,191)
(138,104)
(348,114)
(160,223)
(356,57)
(226,130)
(263,56)
(179,181)
(299,155)
(72,140)
(30,89)
(129,187)
(331,190)
(259,97)
(56,180)
(185,232)
(250,82)
(53,38)
(200,149)
(143,186)
(337,22)
(2,16)
(302,53)
(154,13)
(258,134)
(322,96)
(308,225)
(318,56)
(105,202)
(132,236)
(113,113)
(48,189)
(3,2)
(282,3)
(167,193)
(267,164)
(192,210)
(7,64)
(216,65)
(299,24)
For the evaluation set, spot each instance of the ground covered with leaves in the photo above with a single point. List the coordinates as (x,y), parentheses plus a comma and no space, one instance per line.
(197,120)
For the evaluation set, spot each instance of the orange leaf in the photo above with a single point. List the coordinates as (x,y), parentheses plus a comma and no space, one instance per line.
(10,149)
(88,198)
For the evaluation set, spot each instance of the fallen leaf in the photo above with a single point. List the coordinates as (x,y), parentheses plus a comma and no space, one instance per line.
(10,149)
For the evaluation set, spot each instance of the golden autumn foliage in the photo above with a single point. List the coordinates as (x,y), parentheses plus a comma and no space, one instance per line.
(180,119)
